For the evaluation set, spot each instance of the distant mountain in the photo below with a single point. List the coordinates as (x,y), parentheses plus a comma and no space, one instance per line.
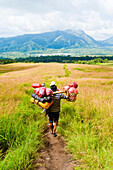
(51,40)
(107,42)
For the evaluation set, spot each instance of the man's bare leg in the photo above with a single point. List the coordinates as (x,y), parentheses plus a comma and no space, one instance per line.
(55,125)
(51,127)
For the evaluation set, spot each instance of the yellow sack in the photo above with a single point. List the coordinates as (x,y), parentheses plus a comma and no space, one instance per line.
(45,105)
(32,100)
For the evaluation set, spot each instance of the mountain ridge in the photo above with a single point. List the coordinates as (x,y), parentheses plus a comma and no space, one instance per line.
(58,39)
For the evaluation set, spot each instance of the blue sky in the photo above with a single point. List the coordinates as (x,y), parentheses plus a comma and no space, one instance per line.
(19,17)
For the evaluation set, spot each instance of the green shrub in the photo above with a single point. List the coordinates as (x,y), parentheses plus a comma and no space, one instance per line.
(67,72)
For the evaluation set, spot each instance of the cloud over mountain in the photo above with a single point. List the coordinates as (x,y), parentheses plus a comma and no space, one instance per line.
(37,16)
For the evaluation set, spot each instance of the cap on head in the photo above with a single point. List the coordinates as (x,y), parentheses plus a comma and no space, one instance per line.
(52,83)
(53,86)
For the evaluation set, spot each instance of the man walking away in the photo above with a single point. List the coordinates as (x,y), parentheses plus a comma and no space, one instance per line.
(55,108)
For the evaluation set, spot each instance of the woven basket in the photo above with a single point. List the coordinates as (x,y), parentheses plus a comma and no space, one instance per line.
(72,97)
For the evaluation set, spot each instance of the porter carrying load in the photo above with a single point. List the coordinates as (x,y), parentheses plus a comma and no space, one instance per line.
(42,96)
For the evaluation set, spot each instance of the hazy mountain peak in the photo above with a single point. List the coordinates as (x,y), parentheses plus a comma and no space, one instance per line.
(76,32)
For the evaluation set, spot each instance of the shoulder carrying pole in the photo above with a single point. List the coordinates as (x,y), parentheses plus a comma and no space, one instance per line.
(58,92)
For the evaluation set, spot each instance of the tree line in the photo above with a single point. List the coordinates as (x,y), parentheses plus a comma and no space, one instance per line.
(60,59)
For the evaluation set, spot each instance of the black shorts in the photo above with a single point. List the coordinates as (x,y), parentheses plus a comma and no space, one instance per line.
(53,116)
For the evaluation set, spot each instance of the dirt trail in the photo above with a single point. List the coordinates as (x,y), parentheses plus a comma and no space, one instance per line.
(54,156)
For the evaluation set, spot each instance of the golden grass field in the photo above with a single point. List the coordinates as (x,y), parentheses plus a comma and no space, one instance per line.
(94,101)
(95,82)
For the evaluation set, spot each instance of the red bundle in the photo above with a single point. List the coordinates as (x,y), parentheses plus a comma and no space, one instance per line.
(37,91)
(66,88)
(72,94)
(72,91)
(43,91)
(74,84)
(36,85)
(49,92)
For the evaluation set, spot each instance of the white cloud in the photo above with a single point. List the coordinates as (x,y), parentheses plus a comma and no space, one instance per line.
(26,16)
(107,7)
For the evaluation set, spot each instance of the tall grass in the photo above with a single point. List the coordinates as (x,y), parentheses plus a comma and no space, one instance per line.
(21,133)
(86,124)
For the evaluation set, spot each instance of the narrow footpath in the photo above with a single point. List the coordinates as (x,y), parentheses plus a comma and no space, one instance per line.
(54,156)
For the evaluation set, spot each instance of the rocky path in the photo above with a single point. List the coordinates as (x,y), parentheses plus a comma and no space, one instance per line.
(54,156)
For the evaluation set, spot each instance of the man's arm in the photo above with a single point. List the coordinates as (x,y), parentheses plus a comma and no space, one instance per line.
(62,96)
(67,94)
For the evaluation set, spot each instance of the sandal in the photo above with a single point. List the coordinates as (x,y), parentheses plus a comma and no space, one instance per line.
(54,135)
(50,133)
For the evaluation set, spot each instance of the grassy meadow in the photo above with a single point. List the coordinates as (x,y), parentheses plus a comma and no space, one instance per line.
(86,124)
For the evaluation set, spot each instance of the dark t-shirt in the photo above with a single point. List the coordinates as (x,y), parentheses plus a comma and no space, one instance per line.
(55,107)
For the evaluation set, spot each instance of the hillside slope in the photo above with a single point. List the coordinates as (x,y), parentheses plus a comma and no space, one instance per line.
(51,40)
